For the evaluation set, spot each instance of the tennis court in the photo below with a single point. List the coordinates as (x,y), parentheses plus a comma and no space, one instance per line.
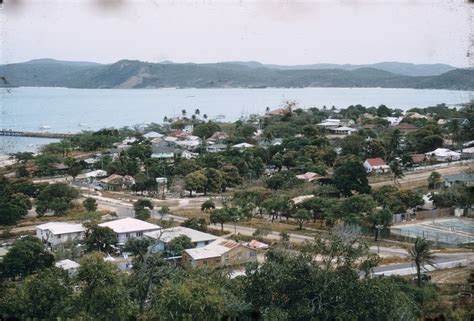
(449,231)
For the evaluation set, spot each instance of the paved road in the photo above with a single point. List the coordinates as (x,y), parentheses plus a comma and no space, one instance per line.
(124,209)
(442,261)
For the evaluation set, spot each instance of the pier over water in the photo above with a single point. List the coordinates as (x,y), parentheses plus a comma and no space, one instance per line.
(10,132)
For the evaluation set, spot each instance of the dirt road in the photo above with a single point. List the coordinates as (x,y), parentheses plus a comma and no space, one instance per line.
(412,180)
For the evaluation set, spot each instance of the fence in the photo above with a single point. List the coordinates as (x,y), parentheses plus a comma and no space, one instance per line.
(439,238)
(441,165)
(439,212)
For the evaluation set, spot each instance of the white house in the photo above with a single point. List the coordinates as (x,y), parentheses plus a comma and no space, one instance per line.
(330,123)
(189,144)
(68,265)
(188,155)
(216,148)
(128,227)
(188,129)
(376,165)
(242,146)
(163,237)
(443,155)
(394,121)
(57,233)
(342,130)
(152,135)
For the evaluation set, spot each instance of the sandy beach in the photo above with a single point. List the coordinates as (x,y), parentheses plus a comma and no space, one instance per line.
(5,160)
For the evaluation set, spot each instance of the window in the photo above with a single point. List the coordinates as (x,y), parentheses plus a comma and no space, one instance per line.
(253,253)
(139,233)
(239,256)
(127,235)
(226,259)
(204,262)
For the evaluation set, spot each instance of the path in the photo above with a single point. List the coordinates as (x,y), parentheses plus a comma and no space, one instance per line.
(414,179)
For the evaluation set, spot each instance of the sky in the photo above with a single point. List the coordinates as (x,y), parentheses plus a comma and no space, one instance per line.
(277,32)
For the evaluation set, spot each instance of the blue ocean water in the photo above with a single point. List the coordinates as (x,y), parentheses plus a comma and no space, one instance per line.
(73,110)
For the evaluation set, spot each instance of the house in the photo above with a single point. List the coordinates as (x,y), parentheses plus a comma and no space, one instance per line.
(467,153)
(242,146)
(330,123)
(188,129)
(68,265)
(117,182)
(55,234)
(170,140)
(394,121)
(443,155)
(152,135)
(461,178)
(164,236)
(342,130)
(346,122)
(309,176)
(376,165)
(219,253)
(189,144)
(218,137)
(277,112)
(60,168)
(406,128)
(89,162)
(163,152)
(188,155)
(216,148)
(129,227)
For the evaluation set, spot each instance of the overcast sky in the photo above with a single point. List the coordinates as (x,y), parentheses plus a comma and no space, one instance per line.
(280,32)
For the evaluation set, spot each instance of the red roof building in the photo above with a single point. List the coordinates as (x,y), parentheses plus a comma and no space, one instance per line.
(406,128)
(376,165)
(277,112)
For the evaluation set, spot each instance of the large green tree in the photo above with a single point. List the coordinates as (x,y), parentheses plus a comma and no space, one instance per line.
(351,177)
(99,238)
(27,255)
(57,198)
(47,295)
(103,294)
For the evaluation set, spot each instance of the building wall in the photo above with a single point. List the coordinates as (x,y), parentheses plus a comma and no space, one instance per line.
(47,236)
(239,255)
(123,237)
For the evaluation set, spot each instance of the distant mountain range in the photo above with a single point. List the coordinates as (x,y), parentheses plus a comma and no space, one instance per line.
(138,74)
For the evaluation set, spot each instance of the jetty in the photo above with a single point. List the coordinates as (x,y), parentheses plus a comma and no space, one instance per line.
(10,132)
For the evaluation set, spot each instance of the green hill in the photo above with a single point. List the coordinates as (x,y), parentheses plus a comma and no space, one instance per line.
(137,74)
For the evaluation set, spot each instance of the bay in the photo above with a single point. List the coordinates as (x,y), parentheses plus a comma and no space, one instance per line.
(65,110)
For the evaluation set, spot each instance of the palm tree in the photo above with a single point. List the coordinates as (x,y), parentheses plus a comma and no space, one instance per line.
(183,112)
(204,116)
(397,171)
(421,256)
(197,111)
(165,119)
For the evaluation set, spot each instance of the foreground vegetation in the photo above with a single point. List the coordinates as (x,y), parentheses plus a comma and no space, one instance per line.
(288,286)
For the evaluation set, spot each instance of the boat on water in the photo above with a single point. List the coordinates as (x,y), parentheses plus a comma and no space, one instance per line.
(45,127)
(83,125)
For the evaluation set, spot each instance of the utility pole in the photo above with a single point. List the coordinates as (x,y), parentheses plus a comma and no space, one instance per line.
(379,228)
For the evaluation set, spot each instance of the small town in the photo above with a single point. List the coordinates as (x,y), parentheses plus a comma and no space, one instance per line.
(236,160)
(193,204)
